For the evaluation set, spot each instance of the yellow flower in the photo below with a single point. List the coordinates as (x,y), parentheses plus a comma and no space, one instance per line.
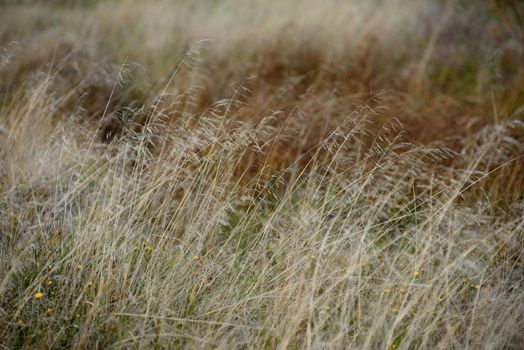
(416,274)
(21,322)
(149,248)
(90,283)
(402,290)
(39,295)
(394,309)
(394,345)
(135,248)
(49,283)
(50,311)
(77,315)
(78,266)
(196,257)
(477,286)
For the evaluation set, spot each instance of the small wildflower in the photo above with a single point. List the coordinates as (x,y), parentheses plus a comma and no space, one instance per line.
(77,315)
(149,248)
(416,274)
(49,311)
(387,290)
(50,267)
(196,257)
(49,283)
(78,266)
(90,283)
(394,309)
(135,248)
(347,270)
(477,286)
(39,295)
(20,322)
(394,345)
(402,290)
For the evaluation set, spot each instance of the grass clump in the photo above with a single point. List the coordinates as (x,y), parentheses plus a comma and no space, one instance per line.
(261,194)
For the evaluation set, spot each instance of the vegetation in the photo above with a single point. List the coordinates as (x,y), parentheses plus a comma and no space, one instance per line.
(262,174)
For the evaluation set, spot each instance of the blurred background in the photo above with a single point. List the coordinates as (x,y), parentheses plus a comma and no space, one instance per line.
(443,68)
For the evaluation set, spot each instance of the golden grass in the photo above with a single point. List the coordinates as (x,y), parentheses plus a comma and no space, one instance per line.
(318,175)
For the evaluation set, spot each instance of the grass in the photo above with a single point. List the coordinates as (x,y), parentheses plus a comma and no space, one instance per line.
(345,184)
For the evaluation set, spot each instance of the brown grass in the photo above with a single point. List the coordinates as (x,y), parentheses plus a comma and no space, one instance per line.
(291,174)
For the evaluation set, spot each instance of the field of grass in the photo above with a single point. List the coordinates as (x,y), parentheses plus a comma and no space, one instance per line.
(291,174)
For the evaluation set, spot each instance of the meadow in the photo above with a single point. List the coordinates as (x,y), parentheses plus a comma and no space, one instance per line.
(292,174)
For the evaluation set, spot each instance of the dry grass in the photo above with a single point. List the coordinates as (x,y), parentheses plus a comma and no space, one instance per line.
(316,175)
